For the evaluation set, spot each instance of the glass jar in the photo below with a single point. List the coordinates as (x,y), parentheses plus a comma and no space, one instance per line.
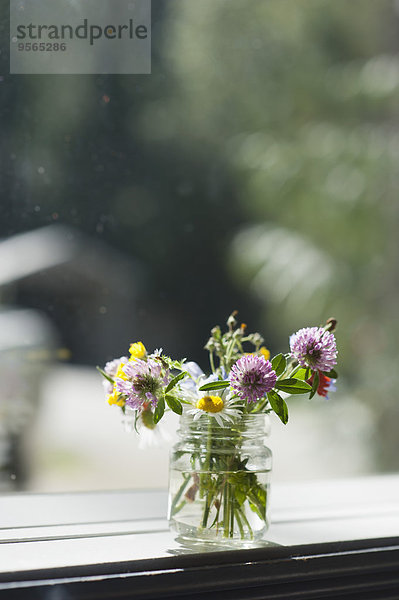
(219,479)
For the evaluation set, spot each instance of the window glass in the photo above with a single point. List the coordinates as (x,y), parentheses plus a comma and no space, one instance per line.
(254,169)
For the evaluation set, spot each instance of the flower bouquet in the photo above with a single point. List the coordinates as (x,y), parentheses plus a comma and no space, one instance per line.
(220,468)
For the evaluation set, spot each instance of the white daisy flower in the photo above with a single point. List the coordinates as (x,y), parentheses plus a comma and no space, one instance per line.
(220,408)
(156,436)
(149,433)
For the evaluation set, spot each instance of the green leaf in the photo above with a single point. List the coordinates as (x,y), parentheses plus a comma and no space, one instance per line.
(278,405)
(315,384)
(256,510)
(172,364)
(175,381)
(300,373)
(174,404)
(182,401)
(240,496)
(279,364)
(103,373)
(333,374)
(214,385)
(257,502)
(260,494)
(160,409)
(293,386)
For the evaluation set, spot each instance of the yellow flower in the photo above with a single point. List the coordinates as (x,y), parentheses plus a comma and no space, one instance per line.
(113,398)
(120,373)
(116,398)
(264,352)
(137,350)
(212,404)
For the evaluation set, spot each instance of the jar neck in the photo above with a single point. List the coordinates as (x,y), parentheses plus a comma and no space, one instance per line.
(247,428)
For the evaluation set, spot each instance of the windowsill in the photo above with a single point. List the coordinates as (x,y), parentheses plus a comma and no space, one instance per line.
(117,537)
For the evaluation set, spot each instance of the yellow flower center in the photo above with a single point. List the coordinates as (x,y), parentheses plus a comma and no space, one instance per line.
(211,404)
(137,350)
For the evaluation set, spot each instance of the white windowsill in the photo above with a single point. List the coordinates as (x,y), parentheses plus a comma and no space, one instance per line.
(44,531)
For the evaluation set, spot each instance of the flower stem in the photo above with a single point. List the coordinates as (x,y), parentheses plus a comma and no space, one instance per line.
(244,518)
(231,509)
(226,509)
(239,522)
(211,361)
(229,352)
(207,475)
(177,497)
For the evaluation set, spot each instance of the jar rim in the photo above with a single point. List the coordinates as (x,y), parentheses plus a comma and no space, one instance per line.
(251,423)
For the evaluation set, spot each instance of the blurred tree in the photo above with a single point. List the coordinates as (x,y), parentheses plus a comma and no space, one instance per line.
(76,151)
(301,99)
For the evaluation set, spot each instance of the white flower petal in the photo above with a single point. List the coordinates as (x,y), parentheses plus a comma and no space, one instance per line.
(193,369)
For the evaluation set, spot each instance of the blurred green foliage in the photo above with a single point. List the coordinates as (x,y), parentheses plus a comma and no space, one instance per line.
(75,151)
(301,99)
